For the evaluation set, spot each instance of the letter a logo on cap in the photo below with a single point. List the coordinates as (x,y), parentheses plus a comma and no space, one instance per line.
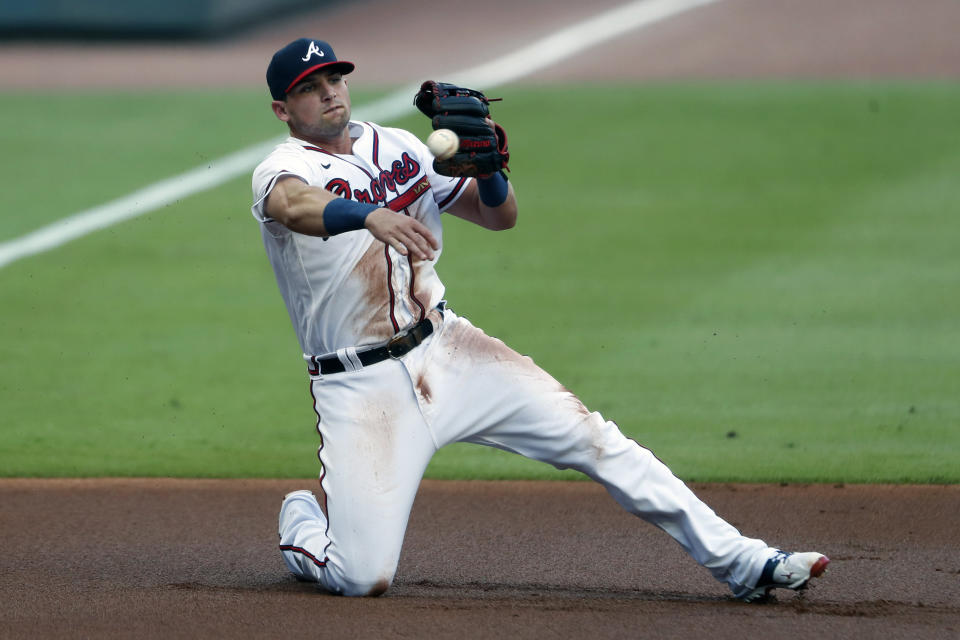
(312,49)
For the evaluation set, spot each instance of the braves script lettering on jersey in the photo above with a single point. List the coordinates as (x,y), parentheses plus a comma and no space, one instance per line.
(395,375)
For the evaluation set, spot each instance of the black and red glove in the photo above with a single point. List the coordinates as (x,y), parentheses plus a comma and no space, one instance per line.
(483,143)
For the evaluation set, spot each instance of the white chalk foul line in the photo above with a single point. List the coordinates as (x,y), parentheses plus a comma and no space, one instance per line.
(538,55)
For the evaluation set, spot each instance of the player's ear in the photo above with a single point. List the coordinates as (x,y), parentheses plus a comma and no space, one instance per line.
(280,110)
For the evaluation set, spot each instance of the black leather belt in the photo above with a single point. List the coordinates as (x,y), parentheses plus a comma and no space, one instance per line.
(396,348)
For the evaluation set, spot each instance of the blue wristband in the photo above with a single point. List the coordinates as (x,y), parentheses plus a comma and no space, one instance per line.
(493,190)
(342,215)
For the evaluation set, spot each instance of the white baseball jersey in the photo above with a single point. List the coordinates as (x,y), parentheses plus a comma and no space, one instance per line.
(351,290)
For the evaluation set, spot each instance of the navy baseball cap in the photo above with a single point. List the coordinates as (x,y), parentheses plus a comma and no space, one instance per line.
(299,59)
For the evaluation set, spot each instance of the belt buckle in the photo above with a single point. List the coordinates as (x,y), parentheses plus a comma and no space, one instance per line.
(397,348)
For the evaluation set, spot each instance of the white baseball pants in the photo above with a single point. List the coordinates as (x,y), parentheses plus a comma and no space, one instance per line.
(381,425)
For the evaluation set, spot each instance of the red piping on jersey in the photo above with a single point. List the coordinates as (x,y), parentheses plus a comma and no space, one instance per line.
(398,204)
(393,300)
(453,193)
(376,148)
(413,277)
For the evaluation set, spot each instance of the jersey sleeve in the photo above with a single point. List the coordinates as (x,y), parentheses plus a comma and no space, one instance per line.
(446,190)
(265,176)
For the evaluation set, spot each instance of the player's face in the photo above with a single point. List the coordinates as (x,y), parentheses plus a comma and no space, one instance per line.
(318,108)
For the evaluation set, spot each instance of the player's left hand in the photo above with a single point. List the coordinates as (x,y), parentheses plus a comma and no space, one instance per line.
(483,143)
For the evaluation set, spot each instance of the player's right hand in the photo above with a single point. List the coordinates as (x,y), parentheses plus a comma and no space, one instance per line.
(405,234)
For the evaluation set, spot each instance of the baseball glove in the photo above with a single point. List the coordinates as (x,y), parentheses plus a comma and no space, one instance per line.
(483,143)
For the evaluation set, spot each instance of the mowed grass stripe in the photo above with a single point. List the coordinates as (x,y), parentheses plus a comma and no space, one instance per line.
(750,280)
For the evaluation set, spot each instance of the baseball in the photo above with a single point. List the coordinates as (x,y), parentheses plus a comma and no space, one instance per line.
(443,143)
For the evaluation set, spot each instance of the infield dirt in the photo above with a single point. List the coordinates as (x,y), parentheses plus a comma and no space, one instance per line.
(162,558)
(198,558)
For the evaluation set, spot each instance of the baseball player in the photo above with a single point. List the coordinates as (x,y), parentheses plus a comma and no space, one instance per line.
(351,215)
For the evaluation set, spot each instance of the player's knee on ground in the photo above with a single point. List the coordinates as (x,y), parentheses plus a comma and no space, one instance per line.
(336,578)
(360,582)
(373,589)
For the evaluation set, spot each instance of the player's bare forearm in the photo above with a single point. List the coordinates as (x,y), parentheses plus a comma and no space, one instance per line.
(470,208)
(300,208)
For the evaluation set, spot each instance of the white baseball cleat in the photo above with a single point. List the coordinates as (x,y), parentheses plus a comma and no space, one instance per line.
(787,571)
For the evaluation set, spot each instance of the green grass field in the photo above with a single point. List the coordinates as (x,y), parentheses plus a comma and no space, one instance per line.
(759,282)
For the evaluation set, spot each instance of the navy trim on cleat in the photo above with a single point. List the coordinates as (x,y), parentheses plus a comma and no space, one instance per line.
(787,571)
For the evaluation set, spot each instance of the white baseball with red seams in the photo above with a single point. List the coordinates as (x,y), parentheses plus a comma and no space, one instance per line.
(381,424)
(443,143)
